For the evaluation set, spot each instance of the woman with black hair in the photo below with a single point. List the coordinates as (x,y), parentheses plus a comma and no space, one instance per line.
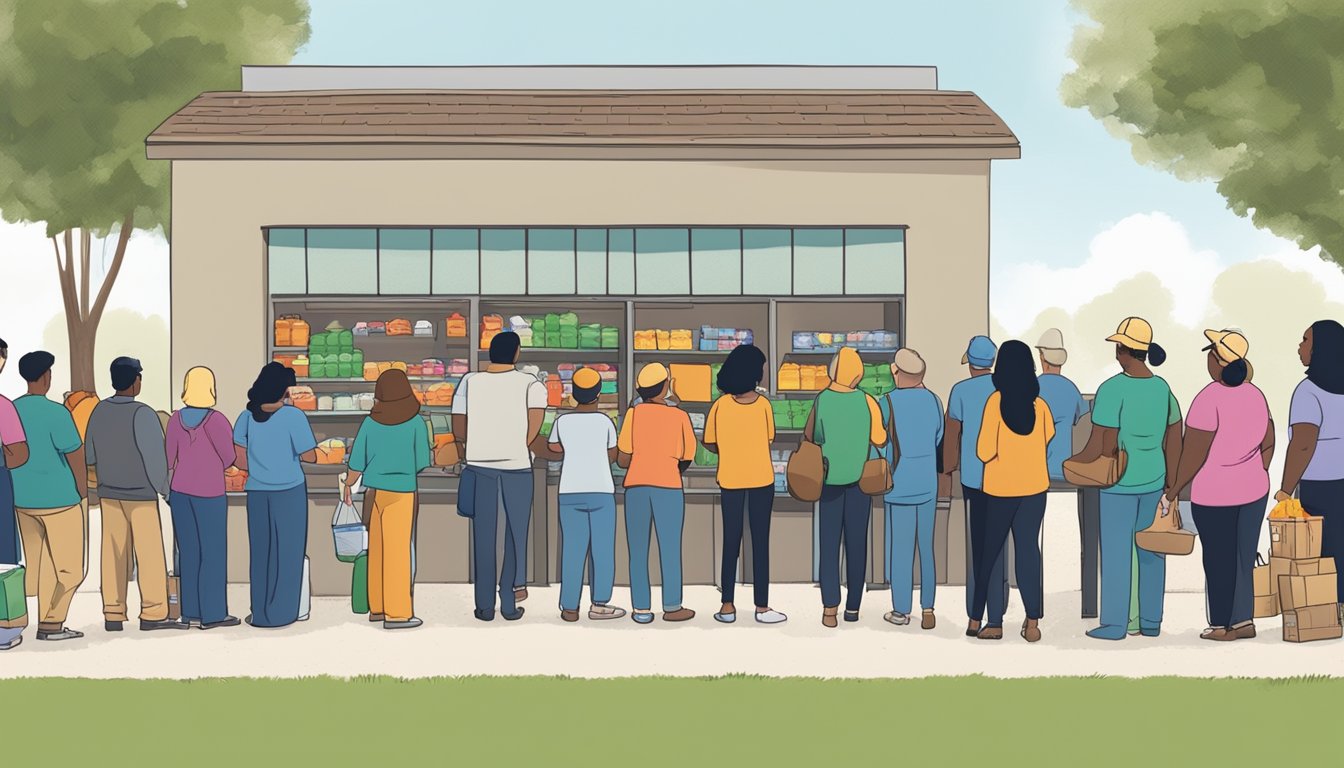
(740,428)
(1134,412)
(1229,441)
(271,438)
(1016,429)
(1314,462)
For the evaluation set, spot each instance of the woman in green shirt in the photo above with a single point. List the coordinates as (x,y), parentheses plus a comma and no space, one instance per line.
(846,423)
(390,450)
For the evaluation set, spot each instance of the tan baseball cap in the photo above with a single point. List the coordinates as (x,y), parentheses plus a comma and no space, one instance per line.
(651,375)
(1051,347)
(908,361)
(1134,332)
(1229,346)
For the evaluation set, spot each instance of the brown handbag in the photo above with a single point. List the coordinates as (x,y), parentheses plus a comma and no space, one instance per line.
(1166,536)
(875,480)
(806,470)
(1103,472)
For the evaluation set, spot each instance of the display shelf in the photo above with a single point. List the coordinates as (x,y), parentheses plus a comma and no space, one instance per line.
(413,379)
(681,353)
(335,414)
(830,351)
(552,351)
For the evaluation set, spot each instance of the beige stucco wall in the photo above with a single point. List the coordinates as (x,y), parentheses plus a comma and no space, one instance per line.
(220,206)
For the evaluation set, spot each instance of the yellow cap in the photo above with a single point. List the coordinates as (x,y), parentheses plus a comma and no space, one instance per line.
(1135,333)
(1229,346)
(651,375)
(586,378)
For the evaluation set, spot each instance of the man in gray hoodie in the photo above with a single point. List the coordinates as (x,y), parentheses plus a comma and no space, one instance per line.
(125,444)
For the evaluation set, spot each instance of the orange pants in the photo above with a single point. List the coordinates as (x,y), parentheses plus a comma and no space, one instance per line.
(390,554)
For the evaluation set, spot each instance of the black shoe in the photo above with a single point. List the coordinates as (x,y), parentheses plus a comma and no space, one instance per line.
(515,615)
(249,620)
(227,621)
(112,626)
(150,626)
(484,615)
(851,615)
(62,634)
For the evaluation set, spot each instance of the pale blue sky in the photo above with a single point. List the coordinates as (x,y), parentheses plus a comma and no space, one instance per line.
(1074,180)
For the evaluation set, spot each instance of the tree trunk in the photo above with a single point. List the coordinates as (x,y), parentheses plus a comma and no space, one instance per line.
(82,336)
(81,317)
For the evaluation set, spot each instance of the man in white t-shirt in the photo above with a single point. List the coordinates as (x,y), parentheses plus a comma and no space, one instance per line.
(497,413)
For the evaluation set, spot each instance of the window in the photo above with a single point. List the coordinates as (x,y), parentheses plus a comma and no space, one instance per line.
(550,261)
(818,262)
(457,262)
(592,262)
(874,261)
(662,261)
(403,261)
(287,270)
(503,261)
(342,261)
(620,262)
(716,262)
(767,262)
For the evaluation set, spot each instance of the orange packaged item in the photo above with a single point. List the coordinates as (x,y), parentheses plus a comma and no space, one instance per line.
(680,340)
(285,359)
(301,366)
(646,340)
(235,480)
(457,326)
(400,327)
(555,391)
(299,333)
(691,382)
(790,377)
(370,371)
(331,451)
(303,398)
(664,340)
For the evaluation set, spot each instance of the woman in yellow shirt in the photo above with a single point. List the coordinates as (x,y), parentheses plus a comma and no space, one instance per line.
(1016,429)
(740,428)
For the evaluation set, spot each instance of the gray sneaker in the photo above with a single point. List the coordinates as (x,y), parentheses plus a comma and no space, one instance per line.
(410,623)
(605,612)
(770,617)
(897,618)
(12,644)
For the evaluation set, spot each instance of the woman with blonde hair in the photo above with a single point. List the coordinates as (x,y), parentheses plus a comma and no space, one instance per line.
(200,448)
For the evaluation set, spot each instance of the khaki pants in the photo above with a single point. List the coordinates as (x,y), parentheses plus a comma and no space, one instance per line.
(132,527)
(53,546)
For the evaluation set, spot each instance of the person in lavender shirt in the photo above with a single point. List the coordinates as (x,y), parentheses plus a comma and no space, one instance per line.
(200,448)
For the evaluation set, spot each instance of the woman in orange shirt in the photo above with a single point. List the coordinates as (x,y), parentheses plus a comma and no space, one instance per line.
(1016,429)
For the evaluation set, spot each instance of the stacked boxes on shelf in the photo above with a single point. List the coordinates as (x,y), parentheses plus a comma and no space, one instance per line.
(802,377)
(723,339)
(1307,590)
(560,386)
(557,330)
(650,339)
(832,341)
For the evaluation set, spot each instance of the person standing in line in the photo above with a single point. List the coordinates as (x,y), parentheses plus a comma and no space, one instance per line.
(847,423)
(1067,405)
(14,447)
(1314,462)
(1014,439)
(965,409)
(914,419)
(655,446)
(125,446)
(272,440)
(47,492)
(200,448)
(740,428)
(1135,412)
(1229,442)
(584,441)
(390,450)
(497,413)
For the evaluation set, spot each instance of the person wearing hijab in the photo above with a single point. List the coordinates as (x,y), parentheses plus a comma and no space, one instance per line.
(847,424)
(1314,462)
(200,448)
(272,438)
(390,450)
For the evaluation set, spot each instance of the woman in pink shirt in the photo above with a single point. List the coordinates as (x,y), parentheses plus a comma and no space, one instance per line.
(1229,441)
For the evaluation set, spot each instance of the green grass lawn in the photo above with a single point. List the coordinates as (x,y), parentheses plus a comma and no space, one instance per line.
(670,721)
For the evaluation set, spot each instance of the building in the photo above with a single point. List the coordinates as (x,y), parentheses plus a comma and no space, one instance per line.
(772,199)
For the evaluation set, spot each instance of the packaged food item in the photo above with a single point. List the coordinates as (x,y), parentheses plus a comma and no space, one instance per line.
(325,403)
(790,377)
(370,371)
(692,382)
(590,336)
(456,326)
(317,344)
(664,340)
(343,402)
(611,337)
(364,401)
(303,398)
(491,326)
(681,339)
(299,332)
(646,340)
(331,451)
(555,391)
(361,329)
(301,366)
(284,326)
(377,328)
(423,329)
(345,365)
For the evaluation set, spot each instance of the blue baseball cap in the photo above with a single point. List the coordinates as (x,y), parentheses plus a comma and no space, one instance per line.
(980,353)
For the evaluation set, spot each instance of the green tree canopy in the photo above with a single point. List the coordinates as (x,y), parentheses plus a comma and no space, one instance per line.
(1248,93)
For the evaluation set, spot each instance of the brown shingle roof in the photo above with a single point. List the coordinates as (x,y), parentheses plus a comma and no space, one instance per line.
(874,120)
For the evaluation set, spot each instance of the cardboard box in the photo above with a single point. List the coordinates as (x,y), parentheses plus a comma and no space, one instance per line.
(1314,566)
(1319,622)
(1295,538)
(1279,566)
(1307,591)
(1266,606)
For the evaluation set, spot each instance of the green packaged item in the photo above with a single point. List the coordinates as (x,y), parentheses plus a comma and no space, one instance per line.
(332,370)
(345,341)
(610,387)
(590,337)
(13,604)
(611,337)
(317,344)
(553,340)
(551,323)
(359,585)
(568,320)
(345,366)
(357,363)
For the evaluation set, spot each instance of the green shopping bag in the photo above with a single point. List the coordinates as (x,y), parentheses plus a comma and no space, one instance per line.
(359,585)
(13,605)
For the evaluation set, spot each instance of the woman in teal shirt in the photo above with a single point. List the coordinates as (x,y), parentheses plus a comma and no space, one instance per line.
(1135,412)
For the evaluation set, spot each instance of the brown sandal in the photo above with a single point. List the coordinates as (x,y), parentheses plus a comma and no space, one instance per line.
(569,615)
(1031,630)
(990,633)
(828,617)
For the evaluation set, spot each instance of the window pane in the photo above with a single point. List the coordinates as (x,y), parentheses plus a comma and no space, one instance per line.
(550,261)
(716,262)
(621,262)
(403,261)
(592,260)
(457,262)
(875,261)
(342,261)
(288,268)
(662,261)
(767,262)
(503,261)
(818,262)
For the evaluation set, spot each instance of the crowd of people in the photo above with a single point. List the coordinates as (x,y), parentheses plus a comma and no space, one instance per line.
(1006,433)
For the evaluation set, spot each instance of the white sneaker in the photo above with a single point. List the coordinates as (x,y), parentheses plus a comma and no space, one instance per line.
(770,617)
(899,619)
(725,618)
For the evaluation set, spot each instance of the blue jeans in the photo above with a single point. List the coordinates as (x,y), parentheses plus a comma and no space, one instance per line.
(9,522)
(906,523)
(488,486)
(201,526)
(977,508)
(845,511)
(663,510)
(1229,536)
(587,520)
(277,532)
(1122,516)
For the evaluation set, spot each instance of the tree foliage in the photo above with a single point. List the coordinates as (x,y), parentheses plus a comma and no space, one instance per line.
(1248,93)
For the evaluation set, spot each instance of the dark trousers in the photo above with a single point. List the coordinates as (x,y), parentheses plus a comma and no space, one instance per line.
(9,522)
(757,504)
(201,527)
(998,598)
(515,488)
(277,532)
(845,510)
(1022,515)
(1229,536)
(1325,498)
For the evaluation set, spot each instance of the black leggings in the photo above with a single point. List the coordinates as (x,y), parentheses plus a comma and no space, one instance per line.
(1325,498)
(845,511)
(1022,515)
(757,503)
